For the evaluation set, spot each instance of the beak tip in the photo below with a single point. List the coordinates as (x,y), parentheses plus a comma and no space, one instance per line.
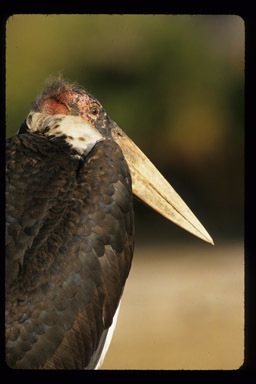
(208,238)
(212,242)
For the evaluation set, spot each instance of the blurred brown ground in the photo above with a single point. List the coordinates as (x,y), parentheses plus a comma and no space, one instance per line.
(182,308)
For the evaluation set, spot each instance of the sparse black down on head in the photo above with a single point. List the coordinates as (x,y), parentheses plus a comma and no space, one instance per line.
(69,246)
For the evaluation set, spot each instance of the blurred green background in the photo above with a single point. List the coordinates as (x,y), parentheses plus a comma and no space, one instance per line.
(173,83)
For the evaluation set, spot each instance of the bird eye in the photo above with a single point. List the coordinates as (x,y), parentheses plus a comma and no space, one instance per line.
(94,110)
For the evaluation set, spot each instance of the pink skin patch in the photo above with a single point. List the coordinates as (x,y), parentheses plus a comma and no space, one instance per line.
(70,103)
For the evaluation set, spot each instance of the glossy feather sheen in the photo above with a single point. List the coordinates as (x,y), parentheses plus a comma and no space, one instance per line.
(69,245)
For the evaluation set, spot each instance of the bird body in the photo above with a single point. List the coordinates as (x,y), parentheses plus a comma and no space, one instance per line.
(69,232)
(89,248)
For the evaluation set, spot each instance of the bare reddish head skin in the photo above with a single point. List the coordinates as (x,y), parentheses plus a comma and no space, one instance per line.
(66,99)
(53,107)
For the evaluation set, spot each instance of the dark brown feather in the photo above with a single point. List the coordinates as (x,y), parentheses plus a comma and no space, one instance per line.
(69,248)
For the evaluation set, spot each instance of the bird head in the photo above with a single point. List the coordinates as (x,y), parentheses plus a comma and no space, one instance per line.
(67,99)
(67,110)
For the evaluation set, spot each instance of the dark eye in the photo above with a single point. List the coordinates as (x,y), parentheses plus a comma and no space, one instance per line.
(94,110)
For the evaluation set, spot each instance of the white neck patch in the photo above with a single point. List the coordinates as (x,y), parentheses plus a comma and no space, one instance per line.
(79,134)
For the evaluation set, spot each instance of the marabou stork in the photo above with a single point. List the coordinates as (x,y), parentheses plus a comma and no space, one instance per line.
(70,179)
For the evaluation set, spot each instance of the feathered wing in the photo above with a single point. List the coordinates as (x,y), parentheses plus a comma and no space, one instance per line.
(69,246)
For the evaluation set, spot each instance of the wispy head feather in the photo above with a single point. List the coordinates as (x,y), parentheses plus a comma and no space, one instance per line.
(54,86)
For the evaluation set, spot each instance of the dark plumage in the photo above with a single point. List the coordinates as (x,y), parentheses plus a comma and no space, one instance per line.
(69,246)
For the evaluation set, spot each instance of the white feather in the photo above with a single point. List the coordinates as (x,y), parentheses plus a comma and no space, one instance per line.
(100,353)
(79,134)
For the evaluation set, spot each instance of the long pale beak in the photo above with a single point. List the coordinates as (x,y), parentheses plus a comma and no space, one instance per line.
(151,187)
